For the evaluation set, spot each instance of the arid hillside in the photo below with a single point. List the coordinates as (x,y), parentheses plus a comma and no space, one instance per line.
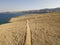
(33,29)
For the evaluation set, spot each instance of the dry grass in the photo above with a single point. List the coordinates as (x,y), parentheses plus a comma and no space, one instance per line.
(45,30)
(13,33)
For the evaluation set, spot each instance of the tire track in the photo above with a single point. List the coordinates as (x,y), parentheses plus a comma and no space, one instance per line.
(28,35)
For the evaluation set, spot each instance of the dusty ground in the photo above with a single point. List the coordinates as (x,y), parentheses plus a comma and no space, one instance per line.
(45,30)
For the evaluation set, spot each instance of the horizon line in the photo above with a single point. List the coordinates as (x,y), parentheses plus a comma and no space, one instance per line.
(27,10)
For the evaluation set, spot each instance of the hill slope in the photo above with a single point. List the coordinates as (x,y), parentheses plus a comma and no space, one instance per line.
(45,30)
(6,16)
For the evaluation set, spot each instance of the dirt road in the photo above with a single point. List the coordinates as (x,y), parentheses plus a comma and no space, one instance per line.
(28,35)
